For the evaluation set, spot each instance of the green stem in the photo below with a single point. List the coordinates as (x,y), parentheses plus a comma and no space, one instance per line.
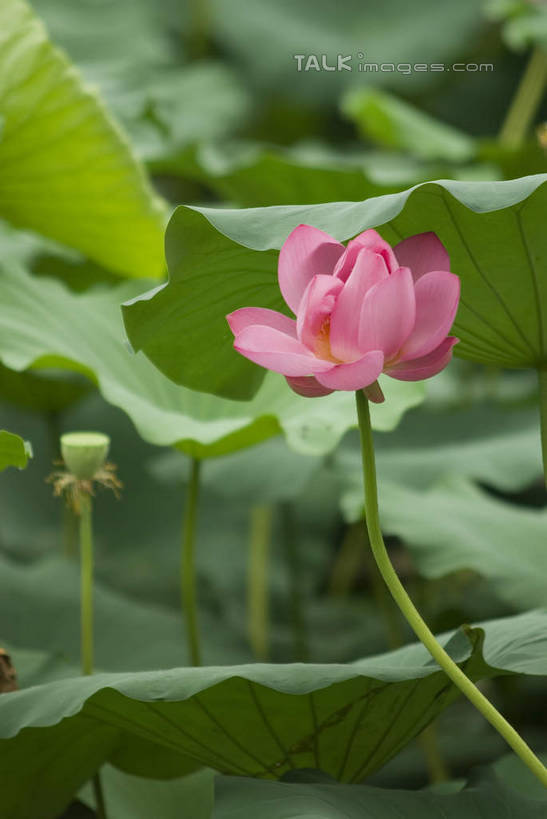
(428,740)
(70,532)
(468,688)
(86,584)
(86,616)
(292,558)
(384,603)
(188,569)
(258,608)
(542,377)
(526,101)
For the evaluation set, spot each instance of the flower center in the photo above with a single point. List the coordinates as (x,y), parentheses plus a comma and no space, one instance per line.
(322,343)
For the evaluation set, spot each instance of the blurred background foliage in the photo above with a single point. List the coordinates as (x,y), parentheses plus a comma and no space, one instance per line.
(213,110)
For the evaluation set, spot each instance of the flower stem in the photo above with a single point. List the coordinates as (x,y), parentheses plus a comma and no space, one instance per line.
(526,101)
(427,740)
(86,584)
(188,569)
(414,619)
(384,603)
(257,602)
(542,377)
(86,617)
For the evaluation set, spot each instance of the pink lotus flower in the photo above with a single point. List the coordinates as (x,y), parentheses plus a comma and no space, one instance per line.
(360,310)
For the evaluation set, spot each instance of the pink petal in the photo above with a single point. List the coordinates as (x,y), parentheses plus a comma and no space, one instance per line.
(356,375)
(308,386)
(247,316)
(425,367)
(422,253)
(277,351)
(307,252)
(388,314)
(437,295)
(369,269)
(371,240)
(315,308)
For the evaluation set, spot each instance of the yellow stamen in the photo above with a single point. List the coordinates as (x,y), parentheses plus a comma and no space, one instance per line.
(322,344)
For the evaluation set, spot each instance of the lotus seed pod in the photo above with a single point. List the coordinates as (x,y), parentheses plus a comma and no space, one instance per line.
(84,453)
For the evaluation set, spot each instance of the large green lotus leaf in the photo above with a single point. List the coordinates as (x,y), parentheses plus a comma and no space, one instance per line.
(42,324)
(132,797)
(472,530)
(133,758)
(259,720)
(394,123)
(221,259)
(312,794)
(65,168)
(13,450)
